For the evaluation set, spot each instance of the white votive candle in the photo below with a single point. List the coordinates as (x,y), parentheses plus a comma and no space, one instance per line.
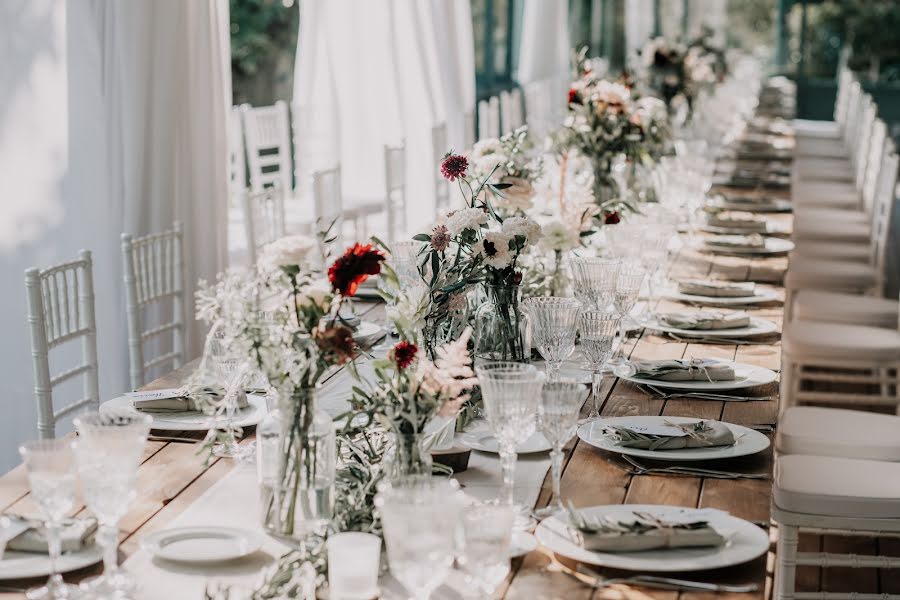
(353,564)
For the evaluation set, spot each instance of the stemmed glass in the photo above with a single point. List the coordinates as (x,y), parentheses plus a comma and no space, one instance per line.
(231,369)
(654,257)
(598,331)
(419,515)
(628,288)
(486,537)
(50,465)
(595,280)
(108,452)
(511,393)
(554,321)
(558,417)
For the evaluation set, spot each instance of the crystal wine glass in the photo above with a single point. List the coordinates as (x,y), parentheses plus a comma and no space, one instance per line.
(598,331)
(108,452)
(230,369)
(628,288)
(557,418)
(486,536)
(595,280)
(50,465)
(554,321)
(511,393)
(419,515)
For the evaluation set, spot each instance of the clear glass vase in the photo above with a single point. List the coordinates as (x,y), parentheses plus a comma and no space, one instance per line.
(409,456)
(297,460)
(502,329)
(606,189)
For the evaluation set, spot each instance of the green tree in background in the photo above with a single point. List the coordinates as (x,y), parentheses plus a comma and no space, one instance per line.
(263,44)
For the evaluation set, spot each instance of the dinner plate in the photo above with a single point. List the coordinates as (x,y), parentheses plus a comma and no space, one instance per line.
(521,544)
(20,565)
(485,441)
(756,327)
(747,441)
(773,246)
(744,540)
(367,332)
(202,544)
(744,376)
(775,206)
(195,420)
(771,229)
(761,295)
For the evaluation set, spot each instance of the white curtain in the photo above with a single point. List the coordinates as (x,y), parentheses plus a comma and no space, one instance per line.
(638,25)
(544,47)
(112,119)
(369,74)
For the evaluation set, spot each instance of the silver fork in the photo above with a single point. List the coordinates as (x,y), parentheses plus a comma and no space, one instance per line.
(662,395)
(718,340)
(698,471)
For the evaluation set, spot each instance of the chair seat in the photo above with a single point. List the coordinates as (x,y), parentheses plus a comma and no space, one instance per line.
(805,340)
(828,169)
(828,229)
(838,487)
(839,432)
(849,309)
(859,252)
(828,274)
(818,213)
(820,147)
(809,128)
(826,195)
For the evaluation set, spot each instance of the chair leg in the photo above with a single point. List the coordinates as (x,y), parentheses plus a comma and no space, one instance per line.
(786,567)
(788,306)
(786,394)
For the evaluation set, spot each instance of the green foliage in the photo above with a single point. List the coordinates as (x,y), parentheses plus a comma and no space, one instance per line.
(263,42)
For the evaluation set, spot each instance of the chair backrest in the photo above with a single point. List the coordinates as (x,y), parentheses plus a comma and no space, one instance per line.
(61,309)
(153,272)
(328,200)
(441,186)
(854,114)
(489,118)
(517,112)
(873,164)
(268,138)
(237,156)
(263,218)
(506,110)
(845,79)
(468,129)
(883,210)
(395,189)
(860,153)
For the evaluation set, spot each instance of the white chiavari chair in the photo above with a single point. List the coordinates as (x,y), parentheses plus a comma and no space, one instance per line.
(153,268)
(268,139)
(516,111)
(263,218)
(489,118)
(441,186)
(506,112)
(237,156)
(395,190)
(328,200)
(60,310)
(812,137)
(468,129)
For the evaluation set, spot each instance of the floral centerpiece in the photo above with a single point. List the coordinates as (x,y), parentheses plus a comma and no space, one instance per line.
(284,319)
(508,159)
(410,392)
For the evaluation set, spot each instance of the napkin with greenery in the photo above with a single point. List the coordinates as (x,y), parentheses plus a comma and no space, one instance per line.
(738,220)
(28,535)
(178,400)
(705,320)
(672,436)
(717,289)
(643,532)
(681,369)
(739,242)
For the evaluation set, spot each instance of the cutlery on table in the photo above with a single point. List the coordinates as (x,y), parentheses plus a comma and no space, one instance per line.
(641,469)
(718,340)
(663,395)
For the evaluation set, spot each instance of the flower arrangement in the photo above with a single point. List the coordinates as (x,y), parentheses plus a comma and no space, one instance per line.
(507,158)
(409,391)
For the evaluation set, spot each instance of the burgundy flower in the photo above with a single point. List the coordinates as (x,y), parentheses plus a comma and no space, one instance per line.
(404,353)
(573,96)
(440,238)
(335,342)
(453,166)
(354,267)
(490,249)
(611,218)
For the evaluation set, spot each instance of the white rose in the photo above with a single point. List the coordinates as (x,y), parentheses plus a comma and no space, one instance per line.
(522,226)
(467,218)
(287,251)
(558,237)
(317,295)
(495,249)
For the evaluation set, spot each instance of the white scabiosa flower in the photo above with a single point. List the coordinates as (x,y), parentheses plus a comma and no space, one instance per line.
(495,249)
(522,226)
(467,218)
(559,238)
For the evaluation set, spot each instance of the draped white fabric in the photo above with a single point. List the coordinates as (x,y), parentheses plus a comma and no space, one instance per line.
(112,119)
(638,25)
(376,73)
(544,49)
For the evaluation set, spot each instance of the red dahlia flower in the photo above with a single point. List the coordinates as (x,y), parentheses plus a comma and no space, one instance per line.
(353,268)
(453,166)
(404,353)
(611,218)
(573,96)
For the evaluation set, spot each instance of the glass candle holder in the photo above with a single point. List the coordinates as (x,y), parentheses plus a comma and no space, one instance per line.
(353,564)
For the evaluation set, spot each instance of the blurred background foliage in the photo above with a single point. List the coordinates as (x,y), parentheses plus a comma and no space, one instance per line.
(263,43)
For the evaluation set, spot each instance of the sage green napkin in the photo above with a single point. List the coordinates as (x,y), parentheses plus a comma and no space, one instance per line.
(717,289)
(737,242)
(75,534)
(644,532)
(673,436)
(705,320)
(680,369)
(173,400)
(738,220)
